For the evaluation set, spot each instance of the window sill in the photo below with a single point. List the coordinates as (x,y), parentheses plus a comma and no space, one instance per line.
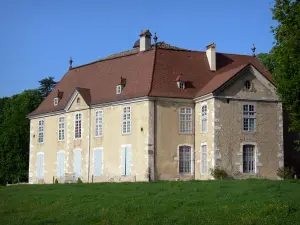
(98,136)
(124,134)
(180,133)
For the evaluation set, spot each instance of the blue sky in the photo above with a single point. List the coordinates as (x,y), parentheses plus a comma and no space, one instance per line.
(38,37)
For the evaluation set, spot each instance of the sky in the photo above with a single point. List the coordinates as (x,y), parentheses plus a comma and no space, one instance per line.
(37,38)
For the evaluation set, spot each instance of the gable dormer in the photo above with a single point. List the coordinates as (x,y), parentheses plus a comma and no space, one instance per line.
(57,97)
(120,85)
(180,82)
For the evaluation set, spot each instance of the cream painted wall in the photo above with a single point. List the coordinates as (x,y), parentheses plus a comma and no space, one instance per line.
(141,139)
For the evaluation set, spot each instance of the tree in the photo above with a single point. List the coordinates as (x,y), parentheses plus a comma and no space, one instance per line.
(267,60)
(46,86)
(286,55)
(14,135)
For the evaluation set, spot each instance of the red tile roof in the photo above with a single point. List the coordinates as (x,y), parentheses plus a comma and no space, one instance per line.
(148,73)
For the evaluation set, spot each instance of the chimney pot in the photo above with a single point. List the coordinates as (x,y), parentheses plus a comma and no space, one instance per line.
(145,40)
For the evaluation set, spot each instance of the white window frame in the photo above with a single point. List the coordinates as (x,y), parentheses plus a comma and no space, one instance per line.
(37,168)
(41,131)
(79,127)
(57,158)
(181,84)
(248,116)
(55,101)
(204,118)
(61,129)
(98,149)
(187,127)
(202,161)
(99,123)
(118,89)
(191,159)
(254,171)
(126,121)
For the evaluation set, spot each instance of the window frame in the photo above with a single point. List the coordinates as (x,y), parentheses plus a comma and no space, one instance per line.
(203,118)
(75,120)
(254,169)
(118,89)
(55,101)
(100,125)
(190,171)
(201,165)
(61,129)
(186,121)
(41,131)
(126,121)
(249,117)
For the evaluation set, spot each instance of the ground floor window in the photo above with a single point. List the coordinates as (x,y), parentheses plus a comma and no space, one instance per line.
(185,159)
(248,159)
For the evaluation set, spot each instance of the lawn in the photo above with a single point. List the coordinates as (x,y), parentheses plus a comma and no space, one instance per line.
(193,202)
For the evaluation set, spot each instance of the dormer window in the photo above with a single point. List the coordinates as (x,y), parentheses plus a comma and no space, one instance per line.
(119,89)
(56,100)
(180,82)
(121,85)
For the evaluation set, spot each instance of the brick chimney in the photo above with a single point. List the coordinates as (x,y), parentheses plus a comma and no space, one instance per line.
(211,56)
(145,40)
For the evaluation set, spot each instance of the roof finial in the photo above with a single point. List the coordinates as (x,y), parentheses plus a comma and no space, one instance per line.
(253,50)
(155,38)
(70,61)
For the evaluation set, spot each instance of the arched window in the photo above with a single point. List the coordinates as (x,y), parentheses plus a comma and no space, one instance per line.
(204,118)
(185,159)
(249,159)
(78,100)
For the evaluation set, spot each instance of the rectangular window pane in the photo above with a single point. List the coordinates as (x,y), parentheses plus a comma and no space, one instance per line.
(184,159)
(61,128)
(185,120)
(99,123)
(249,118)
(126,127)
(77,125)
(248,159)
(41,131)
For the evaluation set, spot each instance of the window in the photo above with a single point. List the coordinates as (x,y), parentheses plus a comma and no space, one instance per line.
(126,128)
(40,165)
(204,159)
(98,161)
(98,123)
(78,101)
(248,159)
(77,163)
(55,101)
(181,84)
(77,125)
(249,118)
(118,89)
(126,160)
(185,120)
(184,159)
(247,84)
(61,128)
(60,163)
(204,118)
(41,131)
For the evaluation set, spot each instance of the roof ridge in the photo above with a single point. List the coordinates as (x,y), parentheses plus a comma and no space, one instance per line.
(153,68)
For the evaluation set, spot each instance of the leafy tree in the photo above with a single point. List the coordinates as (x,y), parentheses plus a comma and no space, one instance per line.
(267,60)
(14,135)
(46,86)
(286,55)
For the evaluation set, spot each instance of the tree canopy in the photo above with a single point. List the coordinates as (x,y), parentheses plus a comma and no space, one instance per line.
(46,86)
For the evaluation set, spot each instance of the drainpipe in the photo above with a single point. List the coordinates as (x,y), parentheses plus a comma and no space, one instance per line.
(194,149)
(89,144)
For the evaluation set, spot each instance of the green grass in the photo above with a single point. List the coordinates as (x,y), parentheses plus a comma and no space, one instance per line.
(195,202)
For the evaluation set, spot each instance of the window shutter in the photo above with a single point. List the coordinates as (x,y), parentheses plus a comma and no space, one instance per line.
(40,166)
(98,160)
(60,163)
(128,160)
(123,158)
(77,163)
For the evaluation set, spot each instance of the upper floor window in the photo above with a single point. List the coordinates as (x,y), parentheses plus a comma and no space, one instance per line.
(61,128)
(185,159)
(249,118)
(248,159)
(204,118)
(41,131)
(99,123)
(118,89)
(77,126)
(126,128)
(55,101)
(185,120)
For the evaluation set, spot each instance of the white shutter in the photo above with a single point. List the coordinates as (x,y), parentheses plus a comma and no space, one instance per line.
(123,159)
(203,159)
(98,161)
(128,160)
(60,163)
(77,163)
(40,165)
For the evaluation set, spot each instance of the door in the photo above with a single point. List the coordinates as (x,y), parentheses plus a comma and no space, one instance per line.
(126,160)
(40,165)
(60,163)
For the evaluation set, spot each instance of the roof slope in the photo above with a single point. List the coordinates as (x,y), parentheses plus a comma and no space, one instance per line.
(149,73)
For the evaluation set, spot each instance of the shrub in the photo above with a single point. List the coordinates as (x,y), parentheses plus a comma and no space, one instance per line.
(56,181)
(219,174)
(285,173)
(79,181)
